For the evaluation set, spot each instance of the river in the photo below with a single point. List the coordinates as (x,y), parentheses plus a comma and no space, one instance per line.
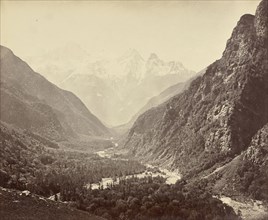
(170,176)
(247,210)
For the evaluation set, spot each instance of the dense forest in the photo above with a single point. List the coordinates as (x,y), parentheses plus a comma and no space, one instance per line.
(40,166)
(150,198)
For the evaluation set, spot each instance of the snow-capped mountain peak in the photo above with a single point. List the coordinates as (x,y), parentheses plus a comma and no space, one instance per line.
(118,80)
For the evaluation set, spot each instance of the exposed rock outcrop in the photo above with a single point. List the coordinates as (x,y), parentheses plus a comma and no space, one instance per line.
(220,112)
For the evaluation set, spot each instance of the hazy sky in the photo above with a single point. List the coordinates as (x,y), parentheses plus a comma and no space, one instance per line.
(193,32)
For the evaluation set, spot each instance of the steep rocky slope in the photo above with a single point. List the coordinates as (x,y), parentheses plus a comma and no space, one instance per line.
(167,94)
(217,116)
(153,102)
(157,100)
(248,172)
(31,102)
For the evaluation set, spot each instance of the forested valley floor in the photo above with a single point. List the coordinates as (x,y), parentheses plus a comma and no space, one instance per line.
(41,167)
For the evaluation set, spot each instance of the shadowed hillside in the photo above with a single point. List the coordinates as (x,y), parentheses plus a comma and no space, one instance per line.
(31,102)
(216,118)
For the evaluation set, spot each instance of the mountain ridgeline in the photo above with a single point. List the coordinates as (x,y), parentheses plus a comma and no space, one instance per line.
(114,89)
(123,85)
(31,102)
(216,118)
(211,130)
(158,100)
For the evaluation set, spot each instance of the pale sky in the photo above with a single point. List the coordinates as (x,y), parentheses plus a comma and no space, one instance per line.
(193,32)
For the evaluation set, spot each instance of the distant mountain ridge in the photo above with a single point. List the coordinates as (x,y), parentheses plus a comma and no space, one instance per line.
(159,99)
(216,118)
(31,102)
(114,89)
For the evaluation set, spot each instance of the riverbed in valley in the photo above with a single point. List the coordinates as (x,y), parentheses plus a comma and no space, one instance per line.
(251,210)
(153,171)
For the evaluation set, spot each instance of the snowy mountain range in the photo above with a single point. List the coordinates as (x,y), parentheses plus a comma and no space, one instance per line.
(114,88)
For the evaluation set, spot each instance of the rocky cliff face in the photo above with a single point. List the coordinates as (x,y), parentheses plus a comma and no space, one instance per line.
(31,102)
(157,100)
(220,112)
(245,174)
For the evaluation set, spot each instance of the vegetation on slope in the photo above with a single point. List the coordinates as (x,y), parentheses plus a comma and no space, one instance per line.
(151,199)
(15,206)
(28,163)
(215,119)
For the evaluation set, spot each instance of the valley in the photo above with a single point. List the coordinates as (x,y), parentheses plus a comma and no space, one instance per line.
(49,171)
(123,84)
(247,209)
(152,171)
(134,137)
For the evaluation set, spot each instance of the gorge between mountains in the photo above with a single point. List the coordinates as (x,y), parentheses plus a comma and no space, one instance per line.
(130,138)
